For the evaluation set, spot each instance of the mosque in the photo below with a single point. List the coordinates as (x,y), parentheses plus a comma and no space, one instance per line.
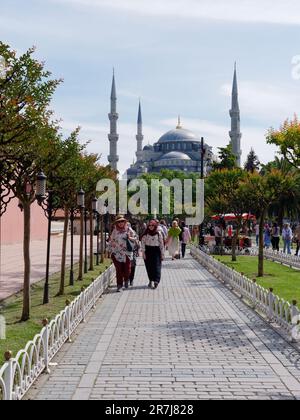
(178,149)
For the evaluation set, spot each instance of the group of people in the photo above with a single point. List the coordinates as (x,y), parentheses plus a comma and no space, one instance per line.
(273,233)
(125,246)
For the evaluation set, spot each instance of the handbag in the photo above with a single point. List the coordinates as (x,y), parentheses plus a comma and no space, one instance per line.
(129,245)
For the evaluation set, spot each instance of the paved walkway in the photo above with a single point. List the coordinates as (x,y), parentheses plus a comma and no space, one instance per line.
(190,339)
(12,266)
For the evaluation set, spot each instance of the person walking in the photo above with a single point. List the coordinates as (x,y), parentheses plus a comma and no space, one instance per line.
(153,249)
(275,237)
(256,229)
(121,245)
(267,236)
(135,256)
(297,238)
(173,240)
(287,236)
(186,238)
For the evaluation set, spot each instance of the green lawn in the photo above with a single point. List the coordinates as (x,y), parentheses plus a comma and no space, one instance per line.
(18,334)
(284,280)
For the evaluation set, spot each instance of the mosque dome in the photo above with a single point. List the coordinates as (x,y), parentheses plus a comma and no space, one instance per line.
(179,135)
(175,155)
(148,148)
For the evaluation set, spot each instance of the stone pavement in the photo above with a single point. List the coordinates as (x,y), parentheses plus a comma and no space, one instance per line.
(190,339)
(12,266)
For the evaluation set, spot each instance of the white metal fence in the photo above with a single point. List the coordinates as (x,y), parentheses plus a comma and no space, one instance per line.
(276,310)
(290,260)
(18,374)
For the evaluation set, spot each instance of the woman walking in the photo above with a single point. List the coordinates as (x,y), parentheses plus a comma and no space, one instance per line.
(173,240)
(275,237)
(153,249)
(121,245)
(287,236)
(185,238)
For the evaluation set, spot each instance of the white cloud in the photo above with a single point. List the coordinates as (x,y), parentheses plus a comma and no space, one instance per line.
(265,102)
(252,11)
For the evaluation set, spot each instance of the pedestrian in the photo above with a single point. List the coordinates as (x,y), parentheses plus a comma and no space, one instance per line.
(173,240)
(164,229)
(297,238)
(186,238)
(153,249)
(121,245)
(135,256)
(267,236)
(218,235)
(287,236)
(275,237)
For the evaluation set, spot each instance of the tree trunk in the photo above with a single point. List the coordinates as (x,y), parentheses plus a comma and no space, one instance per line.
(261,245)
(26,253)
(80,275)
(234,243)
(91,242)
(64,254)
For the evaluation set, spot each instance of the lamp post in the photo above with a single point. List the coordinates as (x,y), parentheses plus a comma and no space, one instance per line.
(73,213)
(81,207)
(85,242)
(45,199)
(202,153)
(97,218)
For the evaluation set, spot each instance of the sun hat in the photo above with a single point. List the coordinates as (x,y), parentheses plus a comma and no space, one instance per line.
(120,218)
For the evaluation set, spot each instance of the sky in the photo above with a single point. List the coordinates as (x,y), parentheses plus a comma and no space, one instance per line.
(176,55)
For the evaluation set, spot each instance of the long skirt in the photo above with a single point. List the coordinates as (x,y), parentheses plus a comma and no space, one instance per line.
(173,247)
(153,263)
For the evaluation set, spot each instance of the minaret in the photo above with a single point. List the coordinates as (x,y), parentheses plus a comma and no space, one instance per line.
(113,137)
(235,133)
(139,136)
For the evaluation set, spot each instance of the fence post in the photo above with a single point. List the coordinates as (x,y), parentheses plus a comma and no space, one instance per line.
(295,329)
(254,294)
(68,313)
(82,304)
(8,376)
(45,323)
(271,299)
(94,294)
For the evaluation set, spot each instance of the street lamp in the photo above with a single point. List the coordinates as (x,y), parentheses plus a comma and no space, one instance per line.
(45,199)
(202,154)
(73,213)
(97,217)
(81,206)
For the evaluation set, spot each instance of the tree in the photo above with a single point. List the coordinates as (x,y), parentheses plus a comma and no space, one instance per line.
(263,191)
(25,93)
(252,164)
(227,160)
(228,194)
(287,138)
(28,159)
(288,205)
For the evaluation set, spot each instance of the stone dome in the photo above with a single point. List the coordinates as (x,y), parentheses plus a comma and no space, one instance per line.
(179,135)
(175,155)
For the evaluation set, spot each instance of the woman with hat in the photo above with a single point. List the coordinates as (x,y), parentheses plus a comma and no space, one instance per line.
(153,248)
(121,245)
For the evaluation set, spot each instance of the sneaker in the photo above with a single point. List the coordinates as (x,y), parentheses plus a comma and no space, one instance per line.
(150,285)
(126,285)
(156,285)
(131,283)
(119,289)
